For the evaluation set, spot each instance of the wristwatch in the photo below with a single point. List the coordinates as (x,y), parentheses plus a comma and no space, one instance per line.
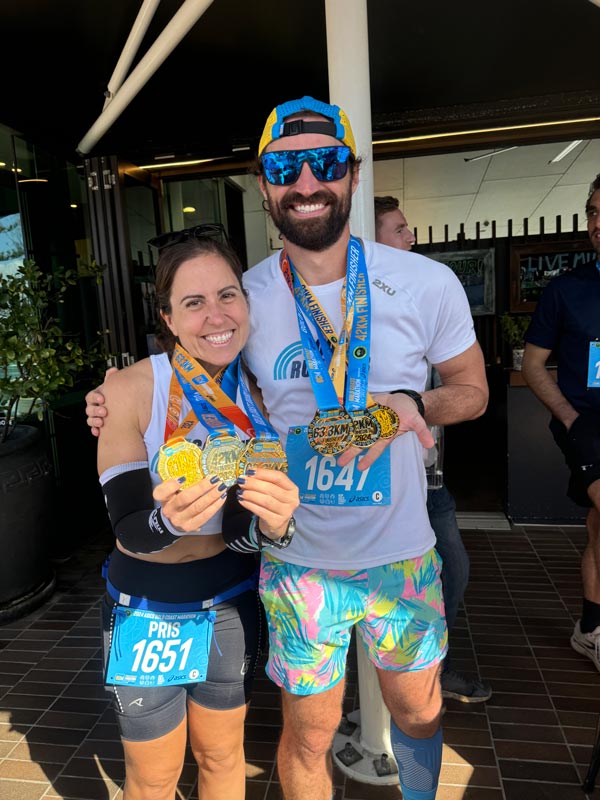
(415,396)
(281,543)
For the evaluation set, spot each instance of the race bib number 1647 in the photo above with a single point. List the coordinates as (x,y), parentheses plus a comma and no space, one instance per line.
(322,482)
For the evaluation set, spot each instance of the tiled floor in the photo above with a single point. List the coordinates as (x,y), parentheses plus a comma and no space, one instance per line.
(531,741)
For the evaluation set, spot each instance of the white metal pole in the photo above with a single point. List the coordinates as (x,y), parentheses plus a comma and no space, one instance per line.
(178,27)
(349,87)
(135,38)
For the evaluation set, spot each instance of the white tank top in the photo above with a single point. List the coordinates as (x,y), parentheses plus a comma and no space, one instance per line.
(155,432)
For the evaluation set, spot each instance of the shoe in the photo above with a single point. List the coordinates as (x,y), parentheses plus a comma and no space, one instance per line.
(587,643)
(468,690)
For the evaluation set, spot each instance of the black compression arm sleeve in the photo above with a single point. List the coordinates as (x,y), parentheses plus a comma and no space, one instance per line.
(236,525)
(136,523)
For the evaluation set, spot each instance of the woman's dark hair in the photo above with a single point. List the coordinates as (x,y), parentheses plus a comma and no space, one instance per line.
(170,258)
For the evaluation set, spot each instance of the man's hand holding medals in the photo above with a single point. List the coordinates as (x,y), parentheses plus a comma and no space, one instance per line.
(405,409)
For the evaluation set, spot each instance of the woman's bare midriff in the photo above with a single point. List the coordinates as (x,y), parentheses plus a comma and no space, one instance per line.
(187,548)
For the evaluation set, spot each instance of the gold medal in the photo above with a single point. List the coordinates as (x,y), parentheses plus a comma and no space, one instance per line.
(365,428)
(179,458)
(387,419)
(266,453)
(220,457)
(330,432)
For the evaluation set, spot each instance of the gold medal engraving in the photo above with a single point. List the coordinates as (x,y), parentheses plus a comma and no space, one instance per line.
(266,453)
(221,455)
(387,419)
(179,458)
(330,432)
(366,429)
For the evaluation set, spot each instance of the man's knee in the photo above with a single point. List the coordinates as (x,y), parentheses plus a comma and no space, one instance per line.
(309,741)
(420,721)
(415,696)
(309,729)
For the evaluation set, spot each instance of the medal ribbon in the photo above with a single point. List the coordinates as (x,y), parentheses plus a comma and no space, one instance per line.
(264,429)
(356,298)
(359,323)
(211,405)
(172,427)
(322,385)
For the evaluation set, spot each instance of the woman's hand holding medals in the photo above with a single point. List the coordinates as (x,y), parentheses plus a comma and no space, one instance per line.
(271,496)
(189,498)
(268,493)
(189,510)
(409,420)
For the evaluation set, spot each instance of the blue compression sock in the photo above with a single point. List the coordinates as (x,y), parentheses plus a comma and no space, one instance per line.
(419,763)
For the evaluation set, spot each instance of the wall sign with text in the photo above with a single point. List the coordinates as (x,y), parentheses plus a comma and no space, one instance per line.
(476,271)
(532,267)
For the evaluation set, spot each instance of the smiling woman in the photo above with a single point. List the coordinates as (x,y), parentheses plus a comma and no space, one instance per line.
(211,325)
(167,455)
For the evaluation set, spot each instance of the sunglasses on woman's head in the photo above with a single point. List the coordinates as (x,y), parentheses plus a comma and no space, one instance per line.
(209,230)
(283,167)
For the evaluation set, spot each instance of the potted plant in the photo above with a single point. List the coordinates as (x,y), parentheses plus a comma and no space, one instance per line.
(38,363)
(514,327)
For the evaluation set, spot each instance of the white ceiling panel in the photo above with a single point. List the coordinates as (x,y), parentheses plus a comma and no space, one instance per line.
(388,174)
(437,212)
(394,191)
(441,176)
(555,203)
(586,165)
(529,162)
(447,190)
(512,199)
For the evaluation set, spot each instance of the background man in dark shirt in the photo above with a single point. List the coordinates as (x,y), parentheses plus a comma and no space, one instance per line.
(566,321)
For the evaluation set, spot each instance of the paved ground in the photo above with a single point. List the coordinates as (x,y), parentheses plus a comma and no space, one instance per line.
(531,741)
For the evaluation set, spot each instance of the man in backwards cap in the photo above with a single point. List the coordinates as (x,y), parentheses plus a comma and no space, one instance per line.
(340,338)
(365,553)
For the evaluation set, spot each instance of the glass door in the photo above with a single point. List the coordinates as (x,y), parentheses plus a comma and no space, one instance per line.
(125,214)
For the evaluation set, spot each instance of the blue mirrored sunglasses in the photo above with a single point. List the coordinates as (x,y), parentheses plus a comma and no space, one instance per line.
(326,163)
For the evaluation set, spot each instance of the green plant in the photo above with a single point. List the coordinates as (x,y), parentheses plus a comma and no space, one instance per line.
(39,362)
(514,328)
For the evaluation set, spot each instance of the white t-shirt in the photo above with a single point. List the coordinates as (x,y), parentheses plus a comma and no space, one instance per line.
(419,313)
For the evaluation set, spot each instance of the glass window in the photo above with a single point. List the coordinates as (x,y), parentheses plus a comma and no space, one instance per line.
(11,231)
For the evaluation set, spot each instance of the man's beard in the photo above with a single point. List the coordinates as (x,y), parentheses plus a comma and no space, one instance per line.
(314,233)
